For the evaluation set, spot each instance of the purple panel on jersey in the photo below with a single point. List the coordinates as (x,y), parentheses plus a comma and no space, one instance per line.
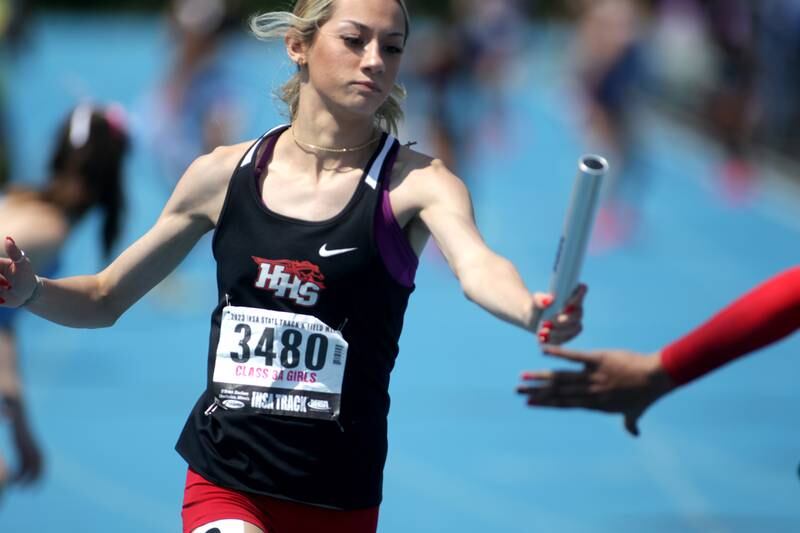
(395,250)
(267,153)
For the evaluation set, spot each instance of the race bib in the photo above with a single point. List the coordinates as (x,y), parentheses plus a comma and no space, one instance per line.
(279,363)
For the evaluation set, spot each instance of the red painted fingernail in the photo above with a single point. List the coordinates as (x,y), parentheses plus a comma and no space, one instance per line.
(547,324)
(547,300)
(544,337)
(12,240)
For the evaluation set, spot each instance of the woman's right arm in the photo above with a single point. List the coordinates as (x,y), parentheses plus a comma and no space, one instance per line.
(98,300)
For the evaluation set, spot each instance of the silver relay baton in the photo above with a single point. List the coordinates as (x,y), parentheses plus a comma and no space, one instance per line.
(577,230)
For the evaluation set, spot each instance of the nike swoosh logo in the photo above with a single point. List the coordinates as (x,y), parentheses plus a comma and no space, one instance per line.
(324,252)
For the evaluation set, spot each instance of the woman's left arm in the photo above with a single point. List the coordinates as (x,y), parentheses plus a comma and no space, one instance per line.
(486,278)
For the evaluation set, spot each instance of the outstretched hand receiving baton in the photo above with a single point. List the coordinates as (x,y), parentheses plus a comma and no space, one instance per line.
(613,381)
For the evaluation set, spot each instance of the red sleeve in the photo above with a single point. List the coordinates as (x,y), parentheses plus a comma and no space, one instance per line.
(764,315)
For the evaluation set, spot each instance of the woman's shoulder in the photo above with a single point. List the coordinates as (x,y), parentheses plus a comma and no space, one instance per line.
(216,167)
(202,187)
(413,166)
(419,180)
(223,158)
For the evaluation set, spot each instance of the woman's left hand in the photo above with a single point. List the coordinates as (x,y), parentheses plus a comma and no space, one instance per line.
(567,324)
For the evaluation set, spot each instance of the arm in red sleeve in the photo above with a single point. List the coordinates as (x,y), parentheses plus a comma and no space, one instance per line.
(764,315)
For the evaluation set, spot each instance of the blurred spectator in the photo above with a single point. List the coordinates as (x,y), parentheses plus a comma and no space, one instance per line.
(779,74)
(682,54)
(436,62)
(193,110)
(13,22)
(471,51)
(731,103)
(610,71)
(705,55)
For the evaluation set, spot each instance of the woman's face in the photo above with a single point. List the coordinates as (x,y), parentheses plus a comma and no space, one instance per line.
(355,57)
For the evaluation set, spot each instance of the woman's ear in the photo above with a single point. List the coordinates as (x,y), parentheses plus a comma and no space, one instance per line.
(295,48)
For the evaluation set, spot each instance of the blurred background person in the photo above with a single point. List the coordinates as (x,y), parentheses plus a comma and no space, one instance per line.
(705,57)
(194,109)
(86,172)
(778,59)
(610,72)
(468,56)
(13,26)
(492,40)
(731,103)
(436,65)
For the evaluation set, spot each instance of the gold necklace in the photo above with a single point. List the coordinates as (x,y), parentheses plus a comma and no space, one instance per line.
(314,147)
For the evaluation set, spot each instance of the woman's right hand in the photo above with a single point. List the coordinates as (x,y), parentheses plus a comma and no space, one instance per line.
(17,278)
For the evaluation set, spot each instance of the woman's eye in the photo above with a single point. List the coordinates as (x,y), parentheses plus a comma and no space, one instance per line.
(353,41)
(394,49)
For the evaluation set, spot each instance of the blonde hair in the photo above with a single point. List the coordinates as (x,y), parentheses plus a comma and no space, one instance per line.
(305,20)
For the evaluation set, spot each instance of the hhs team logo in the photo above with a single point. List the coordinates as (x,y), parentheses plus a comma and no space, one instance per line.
(300,281)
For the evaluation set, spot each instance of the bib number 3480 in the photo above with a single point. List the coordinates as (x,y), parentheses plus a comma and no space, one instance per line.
(314,354)
(278,363)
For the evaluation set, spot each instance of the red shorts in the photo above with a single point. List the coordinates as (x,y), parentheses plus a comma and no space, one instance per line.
(205,502)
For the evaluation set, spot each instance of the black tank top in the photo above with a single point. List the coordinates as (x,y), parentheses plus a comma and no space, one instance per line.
(261,442)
